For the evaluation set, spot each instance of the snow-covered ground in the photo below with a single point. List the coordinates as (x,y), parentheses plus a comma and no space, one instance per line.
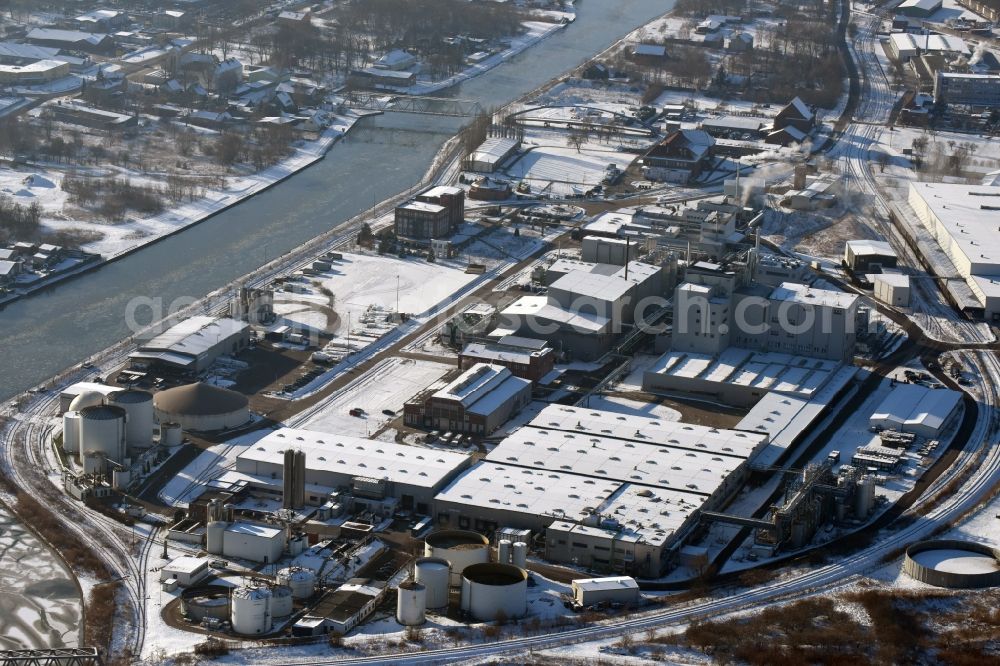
(633,407)
(386,386)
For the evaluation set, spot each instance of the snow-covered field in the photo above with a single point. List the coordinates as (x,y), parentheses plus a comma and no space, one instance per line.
(560,170)
(386,386)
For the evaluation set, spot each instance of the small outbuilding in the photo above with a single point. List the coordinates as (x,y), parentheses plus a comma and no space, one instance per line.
(613,589)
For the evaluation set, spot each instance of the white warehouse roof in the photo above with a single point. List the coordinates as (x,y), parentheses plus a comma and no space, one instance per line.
(604,584)
(871,247)
(912,407)
(353,456)
(806,295)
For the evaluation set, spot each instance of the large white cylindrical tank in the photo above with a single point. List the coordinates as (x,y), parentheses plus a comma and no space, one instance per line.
(411,604)
(138,405)
(71,432)
(503,551)
(864,496)
(102,430)
(215,533)
(171,434)
(460,547)
(86,399)
(251,609)
(519,554)
(281,601)
(494,591)
(302,582)
(432,573)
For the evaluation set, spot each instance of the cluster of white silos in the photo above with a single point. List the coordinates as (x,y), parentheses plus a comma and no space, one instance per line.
(512,553)
(301,581)
(99,428)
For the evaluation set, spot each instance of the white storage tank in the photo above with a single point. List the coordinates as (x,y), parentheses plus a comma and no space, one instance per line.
(71,432)
(171,434)
(297,544)
(102,431)
(432,573)
(460,547)
(864,496)
(301,581)
(503,551)
(251,609)
(494,591)
(411,604)
(138,405)
(281,601)
(86,399)
(215,534)
(519,555)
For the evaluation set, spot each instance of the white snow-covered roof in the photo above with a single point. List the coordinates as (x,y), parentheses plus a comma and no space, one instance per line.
(594,285)
(195,335)
(907,41)
(539,307)
(186,565)
(969,215)
(871,247)
(914,406)
(803,294)
(925,5)
(253,529)
(493,149)
(607,583)
(483,388)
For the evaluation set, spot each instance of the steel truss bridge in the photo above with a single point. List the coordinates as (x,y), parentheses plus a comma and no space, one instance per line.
(429,106)
(51,657)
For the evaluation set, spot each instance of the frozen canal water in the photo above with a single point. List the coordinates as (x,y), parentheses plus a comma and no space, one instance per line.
(40,605)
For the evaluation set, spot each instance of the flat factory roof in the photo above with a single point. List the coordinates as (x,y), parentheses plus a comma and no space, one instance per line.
(910,405)
(594,285)
(194,336)
(608,583)
(253,529)
(806,295)
(353,456)
(969,214)
(871,248)
(187,565)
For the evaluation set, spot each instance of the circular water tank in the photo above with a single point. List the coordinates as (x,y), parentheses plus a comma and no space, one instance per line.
(281,601)
(171,434)
(503,551)
(206,601)
(953,563)
(71,432)
(86,399)
(302,582)
(215,532)
(411,604)
(432,573)
(102,431)
(251,609)
(460,547)
(519,554)
(494,591)
(139,407)
(202,407)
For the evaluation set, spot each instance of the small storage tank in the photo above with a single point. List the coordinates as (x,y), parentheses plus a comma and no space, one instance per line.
(302,582)
(206,601)
(432,573)
(864,496)
(138,405)
(460,547)
(281,601)
(519,555)
(491,591)
(251,609)
(71,432)
(215,532)
(297,544)
(503,551)
(171,434)
(102,430)
(411,604)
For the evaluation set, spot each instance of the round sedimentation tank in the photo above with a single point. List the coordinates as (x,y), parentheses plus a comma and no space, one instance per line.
(460,547)
(432,573)
(201,407)
(302,582)
(251,609)
(281,601)
(86,399)
(215,532)
(519,554)
(493,591)
(503,551)
(102,431)
(411,604)
(953,563)
(71,432)
(138,405)
(171,434)
(206,601)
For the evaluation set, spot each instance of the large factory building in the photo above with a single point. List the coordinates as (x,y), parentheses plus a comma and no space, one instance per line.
(368,468)
(631,485)
(192,345)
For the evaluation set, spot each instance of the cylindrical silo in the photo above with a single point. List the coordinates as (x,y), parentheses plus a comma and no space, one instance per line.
(297,544)
(102,430)
(460,547)
(215,532)
(864,496)
(139,407)
(494,591)
(519,554)
(503,551)
(301,581)
(411,604)
(71,432)
(251,609)
(281,601)
(432,573)
(171,434)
